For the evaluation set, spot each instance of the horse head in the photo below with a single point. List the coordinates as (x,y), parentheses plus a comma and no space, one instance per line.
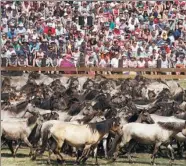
(116,125)
(51,116)
(145,117)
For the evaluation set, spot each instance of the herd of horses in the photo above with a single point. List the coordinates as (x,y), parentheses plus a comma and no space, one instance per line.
(99,117)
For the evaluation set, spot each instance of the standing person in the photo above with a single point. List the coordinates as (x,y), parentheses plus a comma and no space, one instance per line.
(13,60)
(133,64)
(164,63)
(125,63)
(30,61)
(38,58)
(115,61)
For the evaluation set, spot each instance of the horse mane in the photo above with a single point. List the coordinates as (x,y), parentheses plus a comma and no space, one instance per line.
(101,127)
(88,118)
(31,120)
(22,104)
(175,126)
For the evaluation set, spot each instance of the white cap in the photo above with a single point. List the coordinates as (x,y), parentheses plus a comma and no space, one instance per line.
(21,24)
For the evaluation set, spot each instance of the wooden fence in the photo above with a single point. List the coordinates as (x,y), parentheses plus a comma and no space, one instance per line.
(154,73)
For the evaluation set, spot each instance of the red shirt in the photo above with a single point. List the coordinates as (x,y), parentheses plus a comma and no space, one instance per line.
(53,30)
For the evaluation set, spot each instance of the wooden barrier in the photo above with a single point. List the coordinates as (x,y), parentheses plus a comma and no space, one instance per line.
(86,69)
(119,71)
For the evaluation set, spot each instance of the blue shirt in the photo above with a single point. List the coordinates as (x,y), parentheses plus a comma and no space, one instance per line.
(11,34)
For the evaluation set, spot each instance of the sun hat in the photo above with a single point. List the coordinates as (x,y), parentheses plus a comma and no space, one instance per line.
(21,24)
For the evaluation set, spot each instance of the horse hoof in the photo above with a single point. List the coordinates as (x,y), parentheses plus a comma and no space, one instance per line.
(171,162)
(153,164)
(33,158)
(131,161)
(106,157)
(48,163)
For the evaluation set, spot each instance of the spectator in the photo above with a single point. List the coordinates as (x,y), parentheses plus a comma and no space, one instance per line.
(39,57)
(129,29)
(115,61)
(132,62)
(13,60)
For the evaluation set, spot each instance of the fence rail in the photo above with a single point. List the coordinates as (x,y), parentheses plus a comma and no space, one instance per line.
(115,70)
(86,69)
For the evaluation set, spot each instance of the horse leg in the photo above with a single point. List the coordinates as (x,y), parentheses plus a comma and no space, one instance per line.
(26,141)
(95,147)
(4,142)
(58,149)
(79,153)
(17,146)
(172,153)
(157,145)
(131,146)
(51,149)
(9,143)
(115,147)
(105,147)
(95,151)
(85,153)
(86,156)
(180,149)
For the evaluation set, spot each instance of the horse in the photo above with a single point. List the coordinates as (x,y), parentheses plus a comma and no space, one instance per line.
(143,117)
(34,135)
(14,110)
(178,137)
(91,134)
(19,130)
(158,134)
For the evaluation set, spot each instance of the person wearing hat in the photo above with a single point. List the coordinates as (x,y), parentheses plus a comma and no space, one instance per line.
(22,61)
(11,32)
(12,61)
(39,55)
(3,39)
(10,51)
(76,56)
(115,61)
(141,62)
(67,62)
(180,63)
(132,62)
(21,29)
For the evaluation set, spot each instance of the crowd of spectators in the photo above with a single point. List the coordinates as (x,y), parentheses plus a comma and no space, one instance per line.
(137,34)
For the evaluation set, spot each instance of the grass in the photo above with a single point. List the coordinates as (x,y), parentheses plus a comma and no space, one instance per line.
(182,83)
(22,159)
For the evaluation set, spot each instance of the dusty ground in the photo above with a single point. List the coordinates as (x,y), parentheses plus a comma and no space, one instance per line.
(23,159)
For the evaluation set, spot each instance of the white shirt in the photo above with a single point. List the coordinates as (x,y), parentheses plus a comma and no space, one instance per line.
(152,64)
(132,64)
(141,64)
(125,63)
(164,64)
(114,62)
(102,63)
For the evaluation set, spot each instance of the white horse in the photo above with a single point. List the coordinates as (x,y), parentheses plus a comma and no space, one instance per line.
(158,134)
(157,118)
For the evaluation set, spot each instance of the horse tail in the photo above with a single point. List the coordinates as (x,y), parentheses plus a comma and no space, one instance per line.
(45,137)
